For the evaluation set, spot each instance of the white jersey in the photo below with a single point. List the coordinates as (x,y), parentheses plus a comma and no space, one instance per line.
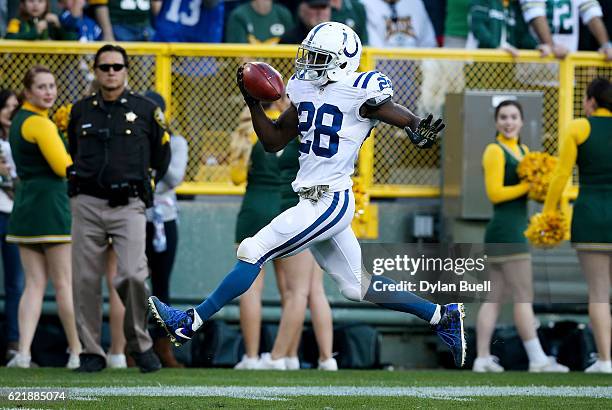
(405,23)
(331,128)
(562,16)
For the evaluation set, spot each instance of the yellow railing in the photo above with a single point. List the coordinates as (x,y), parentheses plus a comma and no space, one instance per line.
(203,103)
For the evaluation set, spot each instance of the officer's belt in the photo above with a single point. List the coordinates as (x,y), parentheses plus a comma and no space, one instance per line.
(134,189)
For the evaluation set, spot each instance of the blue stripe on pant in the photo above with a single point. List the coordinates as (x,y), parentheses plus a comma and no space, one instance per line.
(320,220)
(325,229)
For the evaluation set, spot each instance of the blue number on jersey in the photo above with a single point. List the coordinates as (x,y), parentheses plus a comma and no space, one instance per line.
(384,82)
(320,129)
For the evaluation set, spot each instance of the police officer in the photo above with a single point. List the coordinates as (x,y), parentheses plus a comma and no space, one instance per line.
(117,141)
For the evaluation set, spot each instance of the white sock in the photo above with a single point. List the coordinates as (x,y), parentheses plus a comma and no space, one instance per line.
(534,351)
(436,316)
(605,363)
(197,321)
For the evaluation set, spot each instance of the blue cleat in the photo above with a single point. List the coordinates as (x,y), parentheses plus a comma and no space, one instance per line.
(175,322)
(450,330)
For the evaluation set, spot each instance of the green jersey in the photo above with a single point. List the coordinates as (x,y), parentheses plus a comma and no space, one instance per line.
(563,17)
(245,25)
(494,24)
(353,14)
(456,22)
(127,12)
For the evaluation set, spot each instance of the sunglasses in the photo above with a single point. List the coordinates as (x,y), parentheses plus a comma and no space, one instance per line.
(106,67)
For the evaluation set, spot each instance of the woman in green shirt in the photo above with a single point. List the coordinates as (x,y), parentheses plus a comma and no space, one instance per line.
(40,221)
(35,22)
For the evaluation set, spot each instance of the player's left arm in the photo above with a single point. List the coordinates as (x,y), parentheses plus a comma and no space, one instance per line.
(422,132)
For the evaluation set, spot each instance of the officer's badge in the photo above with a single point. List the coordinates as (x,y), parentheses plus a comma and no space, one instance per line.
(160,118)
(130,116)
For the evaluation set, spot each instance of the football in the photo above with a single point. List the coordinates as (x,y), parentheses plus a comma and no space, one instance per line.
(262,81)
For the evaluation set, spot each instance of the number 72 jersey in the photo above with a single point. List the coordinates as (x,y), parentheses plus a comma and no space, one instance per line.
(562,16)
(331,128)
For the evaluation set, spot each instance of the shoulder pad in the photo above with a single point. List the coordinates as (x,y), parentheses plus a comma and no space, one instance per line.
(377,86)
(372,80)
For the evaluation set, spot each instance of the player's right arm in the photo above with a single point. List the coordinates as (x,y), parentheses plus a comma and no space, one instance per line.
(274,135)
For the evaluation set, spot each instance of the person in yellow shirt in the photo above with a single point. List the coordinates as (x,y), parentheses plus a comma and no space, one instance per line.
(40,221)
(507,249)
(587,143)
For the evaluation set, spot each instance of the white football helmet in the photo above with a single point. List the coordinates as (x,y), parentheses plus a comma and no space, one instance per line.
(330,52)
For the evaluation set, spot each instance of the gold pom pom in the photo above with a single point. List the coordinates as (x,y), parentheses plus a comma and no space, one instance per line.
(62,116)
(362,198)
(536,169)
(547,229)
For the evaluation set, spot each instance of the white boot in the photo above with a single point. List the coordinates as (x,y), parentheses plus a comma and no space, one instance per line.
(292,363)
(20,360)
(116,361)
(329,365)
(267,363)
(600,366)
(247,363)
(489,364)
(74,361)
(548,366)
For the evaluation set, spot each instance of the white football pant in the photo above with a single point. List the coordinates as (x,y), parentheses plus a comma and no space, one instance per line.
(325,228)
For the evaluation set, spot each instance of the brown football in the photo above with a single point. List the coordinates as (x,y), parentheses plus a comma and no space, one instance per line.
(262,81)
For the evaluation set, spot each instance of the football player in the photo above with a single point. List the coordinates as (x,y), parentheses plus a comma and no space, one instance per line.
(333,110)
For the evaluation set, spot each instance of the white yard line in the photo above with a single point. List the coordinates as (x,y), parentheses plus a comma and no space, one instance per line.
(278,393)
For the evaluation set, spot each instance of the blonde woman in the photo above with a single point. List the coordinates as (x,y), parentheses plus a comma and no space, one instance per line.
(40,221)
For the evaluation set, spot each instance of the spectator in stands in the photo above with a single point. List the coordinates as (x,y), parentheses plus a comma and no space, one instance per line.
(441,77)
(310,13)
(507,249)
(40,221)
(436,10)
(499,24)
(559,36)
(399,23)
(162,232)
(129,20)
(586,143)
(456,24)
(76,21)
(35,22)
(3,17)
(13,273)
(290,5)
(102,17)
(258,21)
(352,13)
(299,278)
(586,40)
(183,24)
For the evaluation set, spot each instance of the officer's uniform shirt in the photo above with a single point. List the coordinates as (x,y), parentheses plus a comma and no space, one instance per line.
(119,141)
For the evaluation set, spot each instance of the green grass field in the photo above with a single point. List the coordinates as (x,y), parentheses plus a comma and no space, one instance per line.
(226,388)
